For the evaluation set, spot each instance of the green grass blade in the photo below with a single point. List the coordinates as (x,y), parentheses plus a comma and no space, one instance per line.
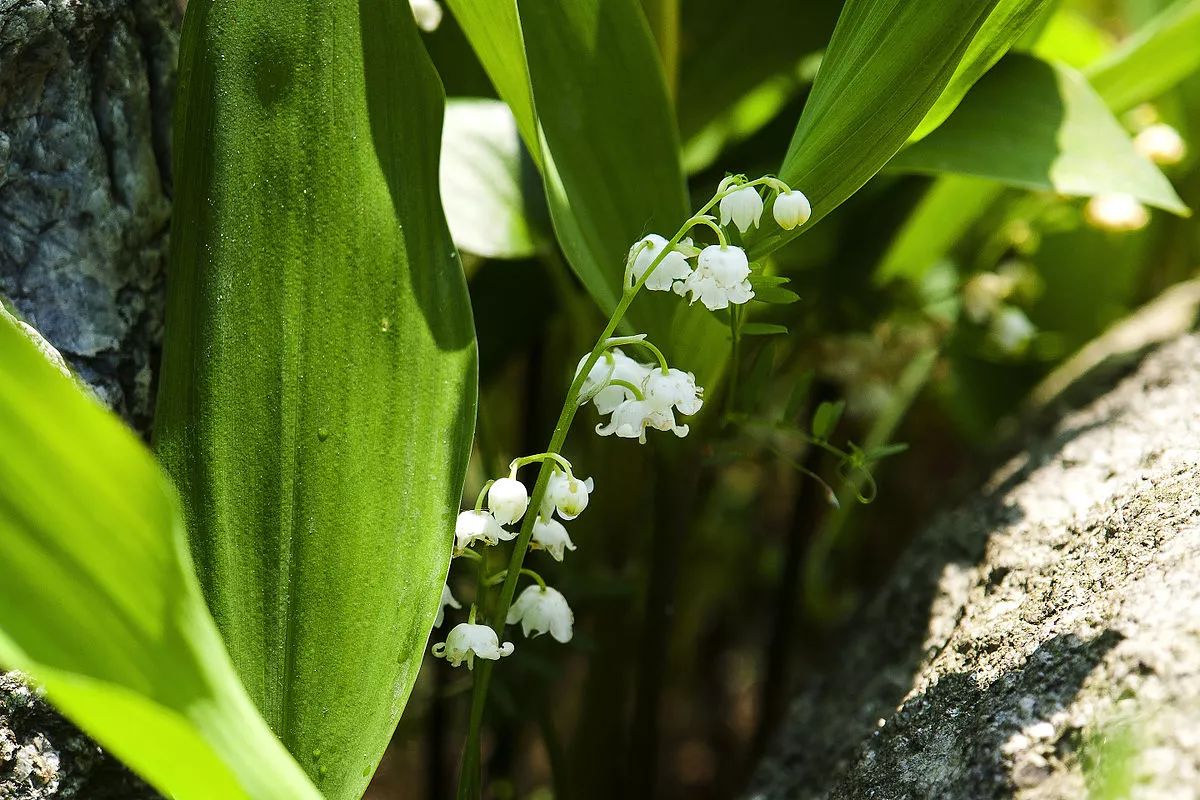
(99,602)
(1040,126)
(318,387)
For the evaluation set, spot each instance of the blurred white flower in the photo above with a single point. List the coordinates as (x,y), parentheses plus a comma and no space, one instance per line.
(984,293)
(540,609)
(550,535)
(743,206)
(673,267)
(1011,330)
(719,278)
(467,640)
(1116,212)
(1161,143)
(614,365)
(569,495)
(478,526)
(447,600)
(428,14)
(791,209)
(507,500)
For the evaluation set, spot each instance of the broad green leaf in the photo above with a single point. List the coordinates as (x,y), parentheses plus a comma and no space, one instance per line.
(1162,53)
(1040,126)
(947,211)
(763,329)
(887,64)
(1073,39)
(99,602)
(663,18)
(318,387)
(1004,27)
(482,183)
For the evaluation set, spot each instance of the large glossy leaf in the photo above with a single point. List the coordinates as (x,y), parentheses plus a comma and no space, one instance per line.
(1040,126)
(1163,52)
(1004,27)
(99,602)
(888,63)
(318,385)
(484,188)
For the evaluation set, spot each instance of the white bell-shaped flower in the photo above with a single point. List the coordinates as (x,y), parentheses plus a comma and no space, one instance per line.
(791,209)
(719,278)
(743,206)
(621,368)
(673,267)
(507,500)
(676,388)
(1011,330)
(467,640)
(550,535)
(447,600)
(628,420)
(1116,211)
(541,609)
(427,13)
(569,495)
(478,526)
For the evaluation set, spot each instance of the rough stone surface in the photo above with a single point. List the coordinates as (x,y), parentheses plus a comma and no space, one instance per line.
(1043,641)
(85,97)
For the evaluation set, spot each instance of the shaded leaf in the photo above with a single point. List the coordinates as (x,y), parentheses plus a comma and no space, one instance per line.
(318,386)
(763,329)
(99,602)
(1040,126)
(826,417)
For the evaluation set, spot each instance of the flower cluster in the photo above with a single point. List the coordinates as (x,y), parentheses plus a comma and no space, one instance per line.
(637,395)
(539,608)
(721,275)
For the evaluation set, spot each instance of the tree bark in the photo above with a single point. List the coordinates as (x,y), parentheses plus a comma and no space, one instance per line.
(85,105)
(1042,641)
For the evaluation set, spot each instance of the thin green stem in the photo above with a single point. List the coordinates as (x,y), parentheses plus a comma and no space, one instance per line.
(721,237)
(735,360)
(482,494)
(637,393)
(517,463)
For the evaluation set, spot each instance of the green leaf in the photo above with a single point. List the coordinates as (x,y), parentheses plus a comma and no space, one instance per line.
(826,417)
(99,602)
(593,67)
(1072,38)
(1040,126)
(1163,52)
(775,295)
(482,184)
(1004,27)
(663,18)
(763,329)
(888,63)
(318,388)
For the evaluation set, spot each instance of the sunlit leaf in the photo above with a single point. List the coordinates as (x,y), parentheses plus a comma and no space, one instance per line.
(483,188)
(99,602)
(1040,126)
(887,64)
(318,385)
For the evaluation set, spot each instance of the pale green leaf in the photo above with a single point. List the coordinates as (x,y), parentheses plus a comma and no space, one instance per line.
(826,418)
(1162,52)
(317,398)
(887,64)
(99,602)
(482,185)
(1040,126)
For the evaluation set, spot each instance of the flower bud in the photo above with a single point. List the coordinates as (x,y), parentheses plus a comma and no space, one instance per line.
(507,500)
(791,209)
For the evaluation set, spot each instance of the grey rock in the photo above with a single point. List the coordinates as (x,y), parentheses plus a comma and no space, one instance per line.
(1043,640)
